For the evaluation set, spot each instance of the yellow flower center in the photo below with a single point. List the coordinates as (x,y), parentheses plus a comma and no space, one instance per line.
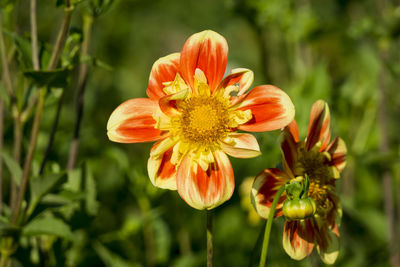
(204,119)
(321,174)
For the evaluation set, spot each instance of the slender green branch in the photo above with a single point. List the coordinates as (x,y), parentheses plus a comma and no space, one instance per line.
(29,157)
(62,36)
(210,247)
(4,61)
(83,73)
(34,38)
(1,150)
(18,129)
(271,214)
(39,109)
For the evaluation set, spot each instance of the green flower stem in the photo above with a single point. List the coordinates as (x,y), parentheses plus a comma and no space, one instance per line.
(210,248)
(271,214)
(4,259)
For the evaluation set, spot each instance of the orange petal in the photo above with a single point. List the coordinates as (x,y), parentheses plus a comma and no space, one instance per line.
(338,151)
(161,171)
(205,189)
(318,127)
(329,250)
(132,122)
(289,140)
(163,70)
(241,77)
(298,240)
(168,102)
(241,145)
(265,186)
(208,51)
(270,106)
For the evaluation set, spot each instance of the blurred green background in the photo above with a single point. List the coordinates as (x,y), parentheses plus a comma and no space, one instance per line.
(345,52)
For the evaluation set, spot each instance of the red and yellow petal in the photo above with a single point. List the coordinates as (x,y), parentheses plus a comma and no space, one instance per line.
(207,51)
(241,145)
(338,151)
(241,77)
(161,171)
(298,239)
(289,141)
(168,102)
(318,127)
(163,70)
(271,108)
(265,186)
(329,249)
(205,189)
(133,122)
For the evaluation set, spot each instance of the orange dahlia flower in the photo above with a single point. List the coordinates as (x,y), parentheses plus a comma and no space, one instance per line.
(322,161)
(193,115)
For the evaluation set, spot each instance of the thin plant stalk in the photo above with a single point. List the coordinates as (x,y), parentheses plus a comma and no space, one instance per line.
(39,110)
(210,247)
(1,151)
(83,74)
(264,250)
(34,38)
(14,107)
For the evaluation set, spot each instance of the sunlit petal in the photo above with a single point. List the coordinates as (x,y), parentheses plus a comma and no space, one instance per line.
(161,171)
(208,51)
(319,125)
(298,241)
(241,145)
(265,186)
(163,70)
(205,189)
(133,122)
(271,108)
(338,151)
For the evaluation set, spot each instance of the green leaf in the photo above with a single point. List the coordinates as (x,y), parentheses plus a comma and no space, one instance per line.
(47,226)
(8,230)
(51,78)
(40,186)
(92,205)
(24,49)
(13,167)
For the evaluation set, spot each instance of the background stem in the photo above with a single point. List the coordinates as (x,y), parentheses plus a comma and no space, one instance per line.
(271,214)
(1,151)
(83,73)
(210,247)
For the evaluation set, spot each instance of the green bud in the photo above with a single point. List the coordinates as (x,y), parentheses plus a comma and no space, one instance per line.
(297,209)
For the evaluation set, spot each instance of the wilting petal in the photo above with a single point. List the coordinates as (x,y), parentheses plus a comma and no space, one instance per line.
(329,250)
(338,151)
(270,106)
(208,51)
(205,189)
(289,139)
(163,70)
(318,127)
(168,102)
(241,145)
(241,77)
(161,171)
(298,240)
(265,186)
(133,122)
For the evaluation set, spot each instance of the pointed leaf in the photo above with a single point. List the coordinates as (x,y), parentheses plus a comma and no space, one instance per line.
(40,186)
(13,167)
(50,78)
(47,226)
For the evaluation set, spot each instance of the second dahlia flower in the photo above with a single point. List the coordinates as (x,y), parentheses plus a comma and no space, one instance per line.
(321,161)
(194,115)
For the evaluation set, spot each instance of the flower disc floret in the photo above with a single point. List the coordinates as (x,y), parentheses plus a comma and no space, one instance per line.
(204,120)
